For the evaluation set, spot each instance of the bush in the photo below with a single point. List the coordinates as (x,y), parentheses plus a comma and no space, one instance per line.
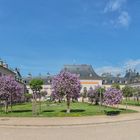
(112,112)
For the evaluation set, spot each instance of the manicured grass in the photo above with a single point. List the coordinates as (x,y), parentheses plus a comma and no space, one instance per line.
(131,102)
(59,110)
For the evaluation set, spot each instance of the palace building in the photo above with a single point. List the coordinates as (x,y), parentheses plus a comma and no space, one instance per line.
(89,78)
(5,70)
(86,74)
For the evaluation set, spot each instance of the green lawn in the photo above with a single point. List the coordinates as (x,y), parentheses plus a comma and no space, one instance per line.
(131,102)
(59,110)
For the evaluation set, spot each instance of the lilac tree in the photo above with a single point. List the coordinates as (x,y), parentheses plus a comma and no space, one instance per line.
(10,90)
(112,96)
(66,85)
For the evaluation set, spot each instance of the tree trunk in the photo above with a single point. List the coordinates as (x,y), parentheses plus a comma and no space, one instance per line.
(138,99)
(126,102)
(33,105)
(101,99)
(59,100)
(68,105)
(92,100)
(40,104)
(82,99)
(34,110)
(6,106)
(96,102)
(11,102)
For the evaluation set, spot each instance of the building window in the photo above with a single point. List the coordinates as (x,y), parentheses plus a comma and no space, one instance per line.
(90,75)
(78,75)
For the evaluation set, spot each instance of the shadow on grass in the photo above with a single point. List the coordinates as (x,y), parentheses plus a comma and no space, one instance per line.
(112,112)
(74,110)
(48,111)
(21,111)
(122,109)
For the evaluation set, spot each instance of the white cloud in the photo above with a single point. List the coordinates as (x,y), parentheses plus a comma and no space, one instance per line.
(123,18)
(122,21)
(130,64)
(109,69)
(114,5)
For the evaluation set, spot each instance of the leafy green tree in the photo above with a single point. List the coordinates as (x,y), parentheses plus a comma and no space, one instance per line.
(44,93)
(36,87)
(117,86)
(28,97)
(127,92)
(100,94)
(136,94)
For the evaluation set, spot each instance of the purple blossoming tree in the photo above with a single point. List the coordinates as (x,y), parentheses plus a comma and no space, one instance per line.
(112,96)
(10,90)
(66,85)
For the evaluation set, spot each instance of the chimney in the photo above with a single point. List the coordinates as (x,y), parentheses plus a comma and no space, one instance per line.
(1,62)
(5,65)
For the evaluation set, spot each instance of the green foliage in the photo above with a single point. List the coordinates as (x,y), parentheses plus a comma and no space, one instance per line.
(127,91)
(131,102)
(36,84)
(84,93)
(136,91)
(43,93)
(99,95)
(117,86)
(100,90)
(28,97)
(112,112)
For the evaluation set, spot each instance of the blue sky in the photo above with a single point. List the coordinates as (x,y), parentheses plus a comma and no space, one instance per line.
(40,36)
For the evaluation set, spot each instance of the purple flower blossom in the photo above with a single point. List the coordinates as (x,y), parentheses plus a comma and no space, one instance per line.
(66,85)
(9,87)
(112,96)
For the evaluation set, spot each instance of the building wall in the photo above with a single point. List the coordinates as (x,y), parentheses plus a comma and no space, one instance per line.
(135,85)
(45,88)
(84,83)
(109,86)
(90,83)
(6,71)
